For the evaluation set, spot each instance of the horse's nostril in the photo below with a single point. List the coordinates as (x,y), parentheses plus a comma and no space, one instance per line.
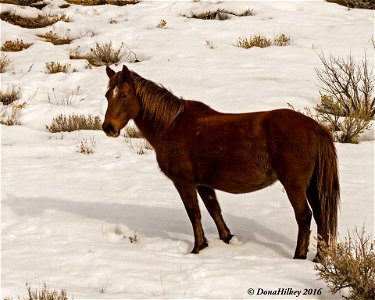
(108,128)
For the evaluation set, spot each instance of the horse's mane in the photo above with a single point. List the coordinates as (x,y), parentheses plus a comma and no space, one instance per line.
(158,104)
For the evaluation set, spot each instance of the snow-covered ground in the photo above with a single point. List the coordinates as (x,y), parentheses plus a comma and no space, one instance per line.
(66,217)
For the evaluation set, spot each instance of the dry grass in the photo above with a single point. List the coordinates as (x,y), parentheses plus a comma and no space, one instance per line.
(45,293)
(37,22)
(219,14)
(103,2)
(86,145)
(261,41)
(141,146)
(14,46)
(4,62)
(66,99)
(131,131)
(74,122)
(257,40)
(136,141)
(350,265)
(56,67)
(10,95)
(55,39)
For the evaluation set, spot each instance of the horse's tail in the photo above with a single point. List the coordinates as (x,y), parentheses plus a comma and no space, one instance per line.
(327,184)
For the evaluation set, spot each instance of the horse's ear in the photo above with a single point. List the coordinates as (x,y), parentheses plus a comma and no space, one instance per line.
(109,72)
(126,75)
(126,72)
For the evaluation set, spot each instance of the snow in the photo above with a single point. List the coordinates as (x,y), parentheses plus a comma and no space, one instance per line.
(66,217)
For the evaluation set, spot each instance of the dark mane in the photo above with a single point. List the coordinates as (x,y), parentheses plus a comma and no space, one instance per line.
(159,104)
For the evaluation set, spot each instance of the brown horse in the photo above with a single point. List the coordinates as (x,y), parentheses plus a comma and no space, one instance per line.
(201,149)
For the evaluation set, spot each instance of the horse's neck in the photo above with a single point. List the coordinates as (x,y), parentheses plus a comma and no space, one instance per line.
(148,129)
(159,107)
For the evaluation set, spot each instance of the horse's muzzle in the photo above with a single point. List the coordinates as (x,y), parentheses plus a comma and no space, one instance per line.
(110,130)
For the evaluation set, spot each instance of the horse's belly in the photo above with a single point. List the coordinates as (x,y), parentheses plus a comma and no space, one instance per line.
(242,182)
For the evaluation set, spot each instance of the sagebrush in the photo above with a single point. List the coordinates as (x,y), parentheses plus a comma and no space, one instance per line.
(347,103)
(349,265)
(74,122)
(366,4)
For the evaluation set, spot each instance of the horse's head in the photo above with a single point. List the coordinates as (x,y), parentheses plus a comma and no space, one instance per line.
(123,104)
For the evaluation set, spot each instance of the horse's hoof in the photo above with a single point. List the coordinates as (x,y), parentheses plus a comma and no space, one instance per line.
(299,257)
(196,249)
(228,238)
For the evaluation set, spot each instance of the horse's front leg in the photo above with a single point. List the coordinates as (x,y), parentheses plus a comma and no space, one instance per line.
(189,198)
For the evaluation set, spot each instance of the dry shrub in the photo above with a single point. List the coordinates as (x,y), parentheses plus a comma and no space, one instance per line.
(105,54)
(10,95)
(219,14)
(281,40)
(4,62)
(261,41)
(55,39)
(11,115)
(162,24)
(37,22)
(366,4)
(103,2)
(14,46)
(347,104)
(350,265)
(74,122)
(32,3)
(56,67)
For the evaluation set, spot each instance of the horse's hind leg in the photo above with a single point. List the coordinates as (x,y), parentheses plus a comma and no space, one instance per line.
(210,201)
(297,197)
(313,198)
